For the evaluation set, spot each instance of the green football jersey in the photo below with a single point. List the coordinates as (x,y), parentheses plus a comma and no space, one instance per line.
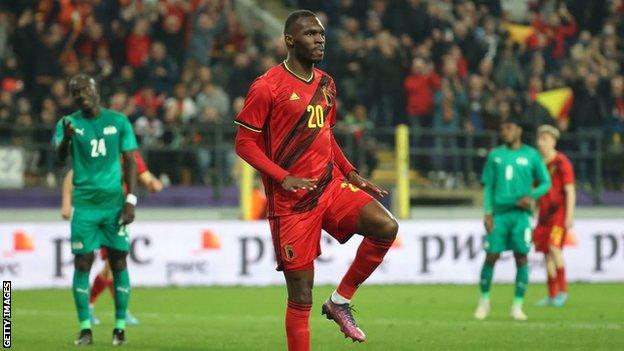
(510,174)
(95,152)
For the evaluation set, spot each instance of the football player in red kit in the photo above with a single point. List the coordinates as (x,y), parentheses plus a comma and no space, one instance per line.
(556,213)
(285,133)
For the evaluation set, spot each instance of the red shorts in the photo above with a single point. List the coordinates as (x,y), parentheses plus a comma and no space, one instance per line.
(546,235)
(297,237)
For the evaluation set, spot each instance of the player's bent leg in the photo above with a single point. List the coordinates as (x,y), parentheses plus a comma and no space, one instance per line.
(121,282)
(485,284)
(80,289)
(354,211)
(379,229)
(522,280)
(299,284)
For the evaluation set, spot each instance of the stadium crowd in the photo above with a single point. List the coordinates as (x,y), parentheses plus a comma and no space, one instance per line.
(178,68)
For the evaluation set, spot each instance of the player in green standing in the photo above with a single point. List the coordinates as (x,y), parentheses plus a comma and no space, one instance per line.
(97,139)
(514,176)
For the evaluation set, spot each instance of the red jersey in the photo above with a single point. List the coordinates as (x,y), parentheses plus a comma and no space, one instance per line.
(294,118)
(552,205)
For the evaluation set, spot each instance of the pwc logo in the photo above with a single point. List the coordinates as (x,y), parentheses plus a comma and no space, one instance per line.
(22,243)
(209,242)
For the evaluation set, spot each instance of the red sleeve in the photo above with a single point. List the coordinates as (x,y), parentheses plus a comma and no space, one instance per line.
(340,159)
(257,106)
(140,163)
(247,148)
(567,171)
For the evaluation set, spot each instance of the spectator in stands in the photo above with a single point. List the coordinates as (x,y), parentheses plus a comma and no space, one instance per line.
(171,33)
(384,80)
(180,106)
(61,97)
(508,73)
(214,97)
(588,115)
(204,30)
(419,87)
(357,125)
(241,76)
(148,128)
(449,102)
(614,134)
(138,44)
(161,71)
(125,80)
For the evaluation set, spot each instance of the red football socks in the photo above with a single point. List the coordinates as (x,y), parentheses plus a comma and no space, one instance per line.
(99,284)
(552,287)
(369,255)
(561,280)
(298,326)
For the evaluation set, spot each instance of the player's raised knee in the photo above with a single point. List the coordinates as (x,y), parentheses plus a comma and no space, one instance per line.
(388,229)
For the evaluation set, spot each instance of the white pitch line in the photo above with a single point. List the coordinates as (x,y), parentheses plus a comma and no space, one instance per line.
(166,318)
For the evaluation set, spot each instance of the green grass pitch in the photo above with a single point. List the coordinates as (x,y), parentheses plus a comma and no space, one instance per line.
(403,317)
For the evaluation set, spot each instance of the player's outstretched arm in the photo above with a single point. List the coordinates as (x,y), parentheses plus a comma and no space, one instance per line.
(66,200)
(247,148)
(130,174)
(150,182)
(145,177)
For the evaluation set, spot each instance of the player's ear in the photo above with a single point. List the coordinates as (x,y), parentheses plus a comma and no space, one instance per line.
(288,39)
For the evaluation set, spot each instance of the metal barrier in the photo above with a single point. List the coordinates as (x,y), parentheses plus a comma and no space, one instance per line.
(206,152)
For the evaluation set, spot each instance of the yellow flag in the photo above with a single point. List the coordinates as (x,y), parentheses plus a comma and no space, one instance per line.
(556,101)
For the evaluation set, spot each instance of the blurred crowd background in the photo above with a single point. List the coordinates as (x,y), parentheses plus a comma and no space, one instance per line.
(448,69)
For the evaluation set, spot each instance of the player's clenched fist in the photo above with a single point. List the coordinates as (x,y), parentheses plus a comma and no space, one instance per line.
(127,214)
(68,129)
(291,183)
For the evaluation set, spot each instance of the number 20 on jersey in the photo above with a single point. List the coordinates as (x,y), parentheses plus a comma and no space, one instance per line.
(316,116)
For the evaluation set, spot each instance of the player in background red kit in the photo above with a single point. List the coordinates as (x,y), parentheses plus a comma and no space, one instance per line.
(104,279)
(556,214)
(285,133)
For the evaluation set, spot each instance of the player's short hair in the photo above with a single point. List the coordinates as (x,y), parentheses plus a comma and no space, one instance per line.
(514,119)
(294,16)
(552,130)
(82,77)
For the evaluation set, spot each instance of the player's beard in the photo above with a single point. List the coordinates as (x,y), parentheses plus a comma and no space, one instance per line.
(307,57)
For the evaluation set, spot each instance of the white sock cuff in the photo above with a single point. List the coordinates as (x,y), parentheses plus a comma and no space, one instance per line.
(339,299)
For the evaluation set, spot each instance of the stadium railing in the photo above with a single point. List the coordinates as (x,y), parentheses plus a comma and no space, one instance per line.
(206,152)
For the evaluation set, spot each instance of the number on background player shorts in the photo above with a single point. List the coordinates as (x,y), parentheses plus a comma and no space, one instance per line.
(93,228)
(546,236)
(511,231)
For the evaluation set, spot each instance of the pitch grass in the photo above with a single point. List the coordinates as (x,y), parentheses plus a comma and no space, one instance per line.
(404,317)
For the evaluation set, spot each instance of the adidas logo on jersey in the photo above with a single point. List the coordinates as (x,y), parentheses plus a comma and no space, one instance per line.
(110,130)
(294,96)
